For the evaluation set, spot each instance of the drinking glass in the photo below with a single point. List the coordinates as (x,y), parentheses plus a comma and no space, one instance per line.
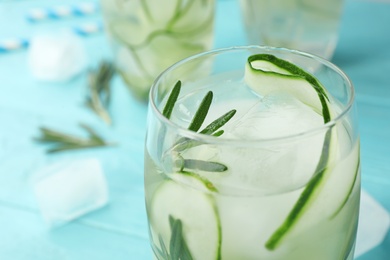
(307,25)
(147,36)
(234,172)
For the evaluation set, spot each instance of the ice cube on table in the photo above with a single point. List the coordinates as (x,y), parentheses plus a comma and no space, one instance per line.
(374,223)
(67,190)
(56,57)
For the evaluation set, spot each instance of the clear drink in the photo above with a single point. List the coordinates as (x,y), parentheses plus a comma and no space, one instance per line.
(147,36)
(279,183)
(307,25)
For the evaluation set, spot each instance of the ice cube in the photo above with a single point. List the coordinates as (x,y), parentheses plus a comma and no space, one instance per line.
(374,223)
(67,190)
(56,57)
(275,115)
(286,165)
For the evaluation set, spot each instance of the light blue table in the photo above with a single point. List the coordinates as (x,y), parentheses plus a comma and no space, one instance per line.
(119,230)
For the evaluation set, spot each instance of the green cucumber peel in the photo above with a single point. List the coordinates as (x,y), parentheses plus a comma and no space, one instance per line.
(169,30)
(296,72)
(180,12)
(308,194)
(146,10)
(349,191)
(207,184)
(304,200)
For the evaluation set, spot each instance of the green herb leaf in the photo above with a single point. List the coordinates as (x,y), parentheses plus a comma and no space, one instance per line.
(218,133)
(163,252)
(178,247)
(99,95)
(204,165)
(201,113)
(185,143)
(185,252)
(172,100)
(63,142)
(66,147)
(167,111)
(218,123)
(53,136)
(176,240)
(92,133)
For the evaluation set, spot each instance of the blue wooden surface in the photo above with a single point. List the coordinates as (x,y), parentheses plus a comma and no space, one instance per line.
(119,231)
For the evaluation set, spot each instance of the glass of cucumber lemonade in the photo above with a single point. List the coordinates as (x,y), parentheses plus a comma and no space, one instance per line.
(308,25)
(147,36)
(252,153)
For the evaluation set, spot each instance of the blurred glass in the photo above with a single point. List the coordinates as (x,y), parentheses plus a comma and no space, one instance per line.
(147,36)
(306,25)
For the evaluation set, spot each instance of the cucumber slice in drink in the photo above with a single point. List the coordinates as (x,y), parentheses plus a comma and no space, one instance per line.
(190,11)
(345,185)
(160,13)
(140,65)
(266,74)
(186,197)
(129,32)
(165,49)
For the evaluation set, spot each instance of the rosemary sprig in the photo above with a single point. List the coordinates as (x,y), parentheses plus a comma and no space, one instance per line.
(201,113)
(163,252)
(99,95)
(63,142)
(218,123)
(172,100)
(212,129)
(204,166)
(178,249)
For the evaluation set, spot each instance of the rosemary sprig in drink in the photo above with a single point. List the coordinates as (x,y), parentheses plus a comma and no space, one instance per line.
(99,95)
(63,142)
(178,249)
(167,112)
(196,123)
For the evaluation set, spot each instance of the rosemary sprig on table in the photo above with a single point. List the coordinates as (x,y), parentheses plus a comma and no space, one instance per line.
(99,95)
(64,142)
(196,123)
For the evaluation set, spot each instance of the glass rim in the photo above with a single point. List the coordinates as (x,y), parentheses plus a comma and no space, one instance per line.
(250,142)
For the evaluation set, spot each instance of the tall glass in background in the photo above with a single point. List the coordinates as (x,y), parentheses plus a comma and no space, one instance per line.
(307,25)
(277,183)
(147,36)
